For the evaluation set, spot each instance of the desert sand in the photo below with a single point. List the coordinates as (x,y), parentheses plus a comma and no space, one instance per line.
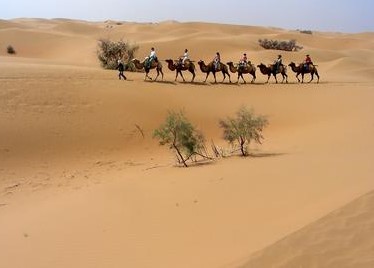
(80,186)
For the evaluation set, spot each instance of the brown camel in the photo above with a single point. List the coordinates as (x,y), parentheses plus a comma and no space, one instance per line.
(210,68)
(301,70)
(249,69)
(178,67)
(270,70)
(141,65)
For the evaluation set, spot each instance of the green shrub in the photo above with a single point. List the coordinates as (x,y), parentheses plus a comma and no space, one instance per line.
(244,128)
(181,137)
(109,52)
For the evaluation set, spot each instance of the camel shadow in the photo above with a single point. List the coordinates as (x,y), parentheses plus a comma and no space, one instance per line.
(226,84)
(162,82)
(196,83)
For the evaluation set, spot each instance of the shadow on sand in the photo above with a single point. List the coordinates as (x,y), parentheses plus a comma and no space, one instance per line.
(195,83)
(161,82)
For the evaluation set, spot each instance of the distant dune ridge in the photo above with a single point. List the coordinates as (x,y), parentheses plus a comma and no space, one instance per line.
(84,184)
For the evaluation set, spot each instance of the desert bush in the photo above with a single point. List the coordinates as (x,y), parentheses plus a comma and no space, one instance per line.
(306,31)
(181,137)
(244,128)
(109,52)
(279,45)
(10,50)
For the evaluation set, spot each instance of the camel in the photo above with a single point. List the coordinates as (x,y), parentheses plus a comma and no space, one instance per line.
(188,65)
(269,71)
(301,70)
(140,65)
(210,68)
(249,69)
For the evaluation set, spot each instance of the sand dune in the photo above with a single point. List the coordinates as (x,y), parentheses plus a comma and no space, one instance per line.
(341,239)
(84,184)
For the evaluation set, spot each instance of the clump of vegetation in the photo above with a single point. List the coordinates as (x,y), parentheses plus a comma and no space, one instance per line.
(10,50)
(306,31)
(109,52)
(244,128)
(279,45)
(181,137)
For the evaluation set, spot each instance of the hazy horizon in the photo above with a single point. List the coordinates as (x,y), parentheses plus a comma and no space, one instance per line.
(333,15)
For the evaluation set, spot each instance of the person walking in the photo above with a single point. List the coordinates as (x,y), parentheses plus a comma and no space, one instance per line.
(121,69)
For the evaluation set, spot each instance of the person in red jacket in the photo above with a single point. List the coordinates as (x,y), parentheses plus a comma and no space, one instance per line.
(307,62)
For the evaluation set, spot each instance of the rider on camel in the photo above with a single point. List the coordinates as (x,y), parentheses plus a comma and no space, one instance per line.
(243,62)
(307,62)
(278,63)
(217,61)
(183,58)
(152,57)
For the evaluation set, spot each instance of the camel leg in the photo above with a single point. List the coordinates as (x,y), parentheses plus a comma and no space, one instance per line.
(317,76)
(229,77)
(215,79)
(224,76)
(162,74)
(193,75)
(147,76)
(276,80)
(311,77)
(207,74)
(302,77)
(268,78)
(245,82)
(286,78)
(158,73)
(182,75)
(297,76)
(253,77)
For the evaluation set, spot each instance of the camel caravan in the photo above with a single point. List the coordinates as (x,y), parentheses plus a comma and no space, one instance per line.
(243,67)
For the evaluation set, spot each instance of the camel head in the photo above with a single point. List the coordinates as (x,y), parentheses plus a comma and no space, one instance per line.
(230,63)
(292,64)
(200,62)
(261,65)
